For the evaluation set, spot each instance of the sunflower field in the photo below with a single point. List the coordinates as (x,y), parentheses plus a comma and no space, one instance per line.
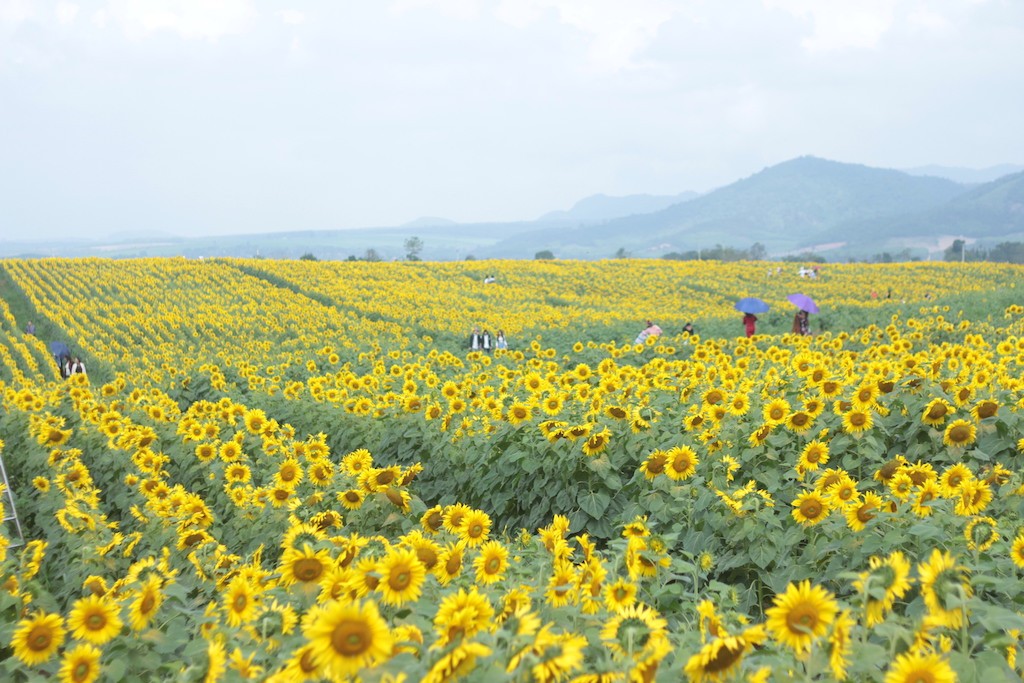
(299,471)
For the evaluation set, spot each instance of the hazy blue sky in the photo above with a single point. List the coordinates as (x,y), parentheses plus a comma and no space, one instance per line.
(225,116)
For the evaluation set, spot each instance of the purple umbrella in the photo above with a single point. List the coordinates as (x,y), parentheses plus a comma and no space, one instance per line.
(803,302)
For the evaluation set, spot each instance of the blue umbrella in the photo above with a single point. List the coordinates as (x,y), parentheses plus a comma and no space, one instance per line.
(751,304)
(59,349)
(803,302)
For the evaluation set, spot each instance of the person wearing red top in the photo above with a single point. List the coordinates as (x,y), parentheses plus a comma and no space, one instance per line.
(750,323)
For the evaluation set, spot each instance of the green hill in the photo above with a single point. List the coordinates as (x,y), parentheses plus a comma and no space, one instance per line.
(995,209)
(783,207)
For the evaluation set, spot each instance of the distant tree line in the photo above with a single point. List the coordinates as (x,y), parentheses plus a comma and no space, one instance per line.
(1004,252)
(756,252)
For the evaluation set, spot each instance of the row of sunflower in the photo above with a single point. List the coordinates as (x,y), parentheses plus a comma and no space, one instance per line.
(185,313)
(450,298)
(363,580)
(723,448)
(22,356)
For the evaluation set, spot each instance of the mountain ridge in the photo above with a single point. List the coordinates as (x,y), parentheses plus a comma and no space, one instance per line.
(831,207)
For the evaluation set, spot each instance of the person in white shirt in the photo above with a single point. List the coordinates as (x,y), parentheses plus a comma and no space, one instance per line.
(75,367)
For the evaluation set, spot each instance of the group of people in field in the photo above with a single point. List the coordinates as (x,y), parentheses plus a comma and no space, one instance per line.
(653,330)
(70,365)
(801,323)
(67,364)
(484,341)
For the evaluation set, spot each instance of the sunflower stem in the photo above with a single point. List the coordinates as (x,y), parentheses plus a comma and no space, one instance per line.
(963,621)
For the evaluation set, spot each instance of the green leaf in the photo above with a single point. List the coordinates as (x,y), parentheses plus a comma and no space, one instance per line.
(114,669)
(762,554)
(594,503)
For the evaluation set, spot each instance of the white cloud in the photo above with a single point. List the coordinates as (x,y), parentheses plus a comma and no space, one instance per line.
(15,11)
(457,9)
(191,19)
(66,12)
(292,16)
(928,21)
(618,30)
(838,24)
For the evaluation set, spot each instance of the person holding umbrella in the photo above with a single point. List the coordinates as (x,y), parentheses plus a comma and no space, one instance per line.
(748,306)
(806,306)
(750,323)
(801,324)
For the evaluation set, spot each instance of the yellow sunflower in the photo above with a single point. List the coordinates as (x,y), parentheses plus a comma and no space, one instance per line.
(739,405)
(633,631)
(491,562)
(304,566)
(953,478)
(682,463)
(981,533)
(562,584)
(475,527)
(801,615)
(462,615)
(619,595)
(240,601)
(959,433)
(866,395)
(289,474)
(935,412)
(883,584)
(973,496)
(95,619)
(146,603)
(597,442)
(255,420)
(717,660)
(402,576)
(984,409)
(858,420)
(347,637)
(921,503)
(449,562)
(428,552)
(945,587)
(776,412)
(80,664)
(518,413)
(432,520)
(799,422)
(357,462)
(814,455)
(915,666)
(863,511)
(654,464)
(456,664)
(1017,551)
(839,645)
(809,508)
(38,638)
(352,499)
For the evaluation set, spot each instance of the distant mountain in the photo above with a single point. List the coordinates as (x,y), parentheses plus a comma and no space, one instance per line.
(142,236)
(428,222)
(967,176)
(837,209)
(601,207)
(992,210)
(782,207)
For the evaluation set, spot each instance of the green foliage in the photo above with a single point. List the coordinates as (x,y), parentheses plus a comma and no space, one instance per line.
(413,247)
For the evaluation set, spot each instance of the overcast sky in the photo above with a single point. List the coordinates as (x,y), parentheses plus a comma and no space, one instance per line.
(226,116)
